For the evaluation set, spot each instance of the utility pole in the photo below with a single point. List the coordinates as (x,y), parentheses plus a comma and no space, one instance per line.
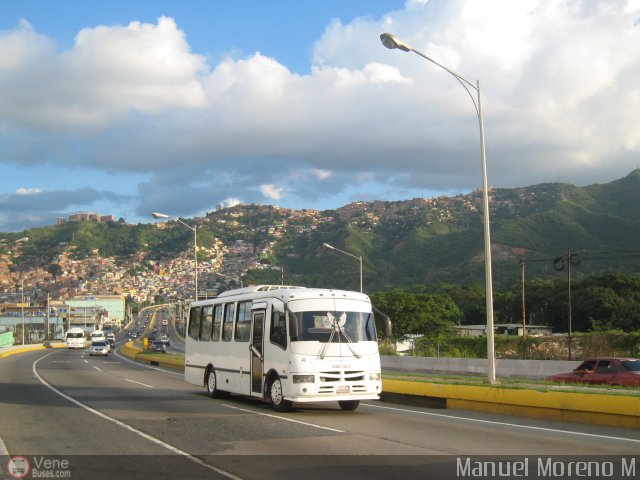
(572,258)
(46,328)
(524,314)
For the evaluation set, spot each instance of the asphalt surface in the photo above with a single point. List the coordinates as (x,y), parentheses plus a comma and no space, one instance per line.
(113,418)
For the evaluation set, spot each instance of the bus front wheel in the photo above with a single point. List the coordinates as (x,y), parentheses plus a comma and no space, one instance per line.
(348,404)
(277,396)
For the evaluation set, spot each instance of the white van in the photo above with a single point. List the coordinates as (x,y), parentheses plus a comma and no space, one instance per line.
(98,336)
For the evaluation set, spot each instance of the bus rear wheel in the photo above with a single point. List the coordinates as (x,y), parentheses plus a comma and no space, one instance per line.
(212,384)
(277,396)
(348,404)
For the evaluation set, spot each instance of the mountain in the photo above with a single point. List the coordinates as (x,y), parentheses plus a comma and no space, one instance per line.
(440,240)
(412,242)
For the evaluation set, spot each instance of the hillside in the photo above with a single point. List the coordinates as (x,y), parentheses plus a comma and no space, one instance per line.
(432,241)
(419,241)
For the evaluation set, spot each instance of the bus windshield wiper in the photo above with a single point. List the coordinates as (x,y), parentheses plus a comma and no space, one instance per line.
(337,326)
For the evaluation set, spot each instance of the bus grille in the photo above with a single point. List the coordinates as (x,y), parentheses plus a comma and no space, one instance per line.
(354,378)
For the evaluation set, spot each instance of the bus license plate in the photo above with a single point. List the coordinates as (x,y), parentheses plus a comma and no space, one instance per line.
(342,389)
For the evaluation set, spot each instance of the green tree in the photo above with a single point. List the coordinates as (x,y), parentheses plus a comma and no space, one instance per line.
(430,314)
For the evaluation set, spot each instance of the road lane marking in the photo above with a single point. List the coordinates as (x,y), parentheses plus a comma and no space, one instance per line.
(3,449)
(505,424)
(282,418)
(97,368)
(139,383)
(146,436)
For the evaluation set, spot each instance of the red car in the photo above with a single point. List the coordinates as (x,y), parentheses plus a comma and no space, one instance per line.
(603,371)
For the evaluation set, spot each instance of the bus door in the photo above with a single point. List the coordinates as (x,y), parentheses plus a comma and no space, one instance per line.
(257,360)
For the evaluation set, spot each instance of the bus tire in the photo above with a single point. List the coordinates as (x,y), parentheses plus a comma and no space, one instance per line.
(277,396)
(348,404)
(212,384)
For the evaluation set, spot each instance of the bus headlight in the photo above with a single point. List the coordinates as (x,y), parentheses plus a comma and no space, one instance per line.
(304,379)
(374,377)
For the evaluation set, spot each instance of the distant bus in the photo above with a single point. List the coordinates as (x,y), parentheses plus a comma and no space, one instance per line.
(98,336)
(285,344)
(77,338)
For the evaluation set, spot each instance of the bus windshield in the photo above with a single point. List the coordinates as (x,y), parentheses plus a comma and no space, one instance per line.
(345,326)
(75,335)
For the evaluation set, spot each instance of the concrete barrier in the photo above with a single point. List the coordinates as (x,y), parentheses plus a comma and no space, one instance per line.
(130,350)
(590,408)
(19,349)
(537,369)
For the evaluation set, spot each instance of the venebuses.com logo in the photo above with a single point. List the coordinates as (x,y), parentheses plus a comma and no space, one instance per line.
(18,467)
(38,467)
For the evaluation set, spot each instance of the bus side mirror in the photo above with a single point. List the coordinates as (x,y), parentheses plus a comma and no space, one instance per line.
(278,306)
(293,325)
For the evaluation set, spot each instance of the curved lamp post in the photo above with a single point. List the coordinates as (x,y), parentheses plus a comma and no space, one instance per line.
(392,42)
(22,240)
(359,258)
(195,246)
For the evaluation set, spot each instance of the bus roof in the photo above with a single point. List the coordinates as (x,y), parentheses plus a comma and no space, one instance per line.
(257,288)
(283,292)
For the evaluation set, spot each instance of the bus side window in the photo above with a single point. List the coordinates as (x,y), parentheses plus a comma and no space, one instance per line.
(227,326)
(206,323)
(243,323)
(194,323)
(278,332)
(217,322)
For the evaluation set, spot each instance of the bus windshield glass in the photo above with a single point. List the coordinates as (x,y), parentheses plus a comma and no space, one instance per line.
(324,326)
(75,335)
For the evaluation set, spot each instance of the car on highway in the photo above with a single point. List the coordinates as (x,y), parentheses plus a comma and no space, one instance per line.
(111,339)
(603,371)
(164,338)
(158,346)
(99,348)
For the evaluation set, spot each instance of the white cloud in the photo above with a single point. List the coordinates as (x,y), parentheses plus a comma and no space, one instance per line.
(559,84)
(107,74)
(231,202)
(321,174)
(272,192)
(28,191)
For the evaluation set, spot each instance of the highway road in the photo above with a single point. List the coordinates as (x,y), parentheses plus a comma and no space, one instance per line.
(113,418)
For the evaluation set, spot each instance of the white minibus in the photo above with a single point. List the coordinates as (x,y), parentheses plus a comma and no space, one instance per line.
(284,345)
(77,338)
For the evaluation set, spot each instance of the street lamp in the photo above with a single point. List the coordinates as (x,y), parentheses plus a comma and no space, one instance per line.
(22,240)
(391,42)
(195,246)
(359,258)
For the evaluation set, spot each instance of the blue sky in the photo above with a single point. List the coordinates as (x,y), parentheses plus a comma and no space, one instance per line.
(127,108)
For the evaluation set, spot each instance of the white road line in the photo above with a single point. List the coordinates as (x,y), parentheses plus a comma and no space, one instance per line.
(283,418)
(139,383)
(505,424)
(97,368)
(86,361)
(146,436)
(3,449)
